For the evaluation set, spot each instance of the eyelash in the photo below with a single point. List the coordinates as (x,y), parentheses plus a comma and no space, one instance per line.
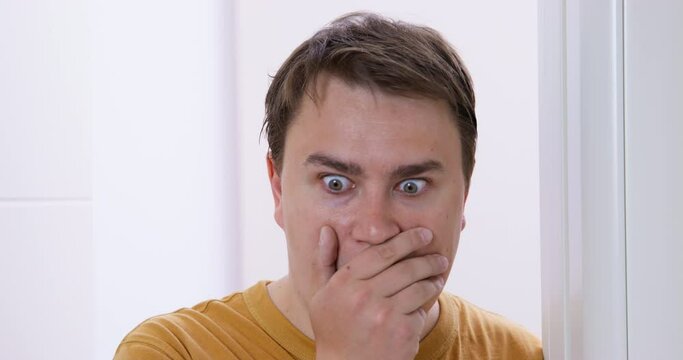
(336,177)
(347,184)
(419,191)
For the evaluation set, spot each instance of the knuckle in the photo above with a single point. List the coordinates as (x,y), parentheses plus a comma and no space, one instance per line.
(427,288)
(417,267)
(361,298)
(385,251)
(411,266)
(424,289)
(382,315)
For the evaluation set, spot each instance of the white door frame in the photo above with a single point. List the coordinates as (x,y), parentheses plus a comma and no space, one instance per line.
(582,179)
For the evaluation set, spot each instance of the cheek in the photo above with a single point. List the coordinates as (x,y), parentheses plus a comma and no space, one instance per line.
(303,217)
(446,227)
(304,221)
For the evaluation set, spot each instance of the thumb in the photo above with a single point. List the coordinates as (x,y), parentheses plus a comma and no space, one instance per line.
(327,255)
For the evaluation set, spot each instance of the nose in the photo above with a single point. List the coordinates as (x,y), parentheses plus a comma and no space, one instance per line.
(375,220)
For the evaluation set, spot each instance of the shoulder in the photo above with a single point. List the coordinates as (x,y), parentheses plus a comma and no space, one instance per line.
(173,335)
(491,333)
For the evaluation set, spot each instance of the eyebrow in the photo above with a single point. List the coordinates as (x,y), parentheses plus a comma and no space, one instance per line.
(351,168)
(407,171)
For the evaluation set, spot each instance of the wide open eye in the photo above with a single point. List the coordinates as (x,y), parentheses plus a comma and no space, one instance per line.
(337,183)
(412,186)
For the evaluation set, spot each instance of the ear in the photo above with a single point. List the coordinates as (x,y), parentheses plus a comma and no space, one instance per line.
(276,188)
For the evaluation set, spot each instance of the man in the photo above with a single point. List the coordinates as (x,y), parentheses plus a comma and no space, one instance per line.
(372,133)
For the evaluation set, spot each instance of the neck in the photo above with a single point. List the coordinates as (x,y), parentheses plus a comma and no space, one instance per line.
(293,308)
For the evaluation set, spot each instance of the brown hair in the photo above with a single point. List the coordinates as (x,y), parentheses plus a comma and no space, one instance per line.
(368,49)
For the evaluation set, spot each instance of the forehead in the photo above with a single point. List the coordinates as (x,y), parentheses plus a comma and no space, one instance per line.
(369,126)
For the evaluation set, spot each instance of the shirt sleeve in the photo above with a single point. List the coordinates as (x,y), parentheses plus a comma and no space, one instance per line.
(139,350)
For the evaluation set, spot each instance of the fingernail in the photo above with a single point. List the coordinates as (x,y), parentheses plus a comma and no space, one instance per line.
(426,235)
(439,282)
(443,261)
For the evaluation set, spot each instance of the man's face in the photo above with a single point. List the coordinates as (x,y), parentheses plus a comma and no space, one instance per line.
(370,165)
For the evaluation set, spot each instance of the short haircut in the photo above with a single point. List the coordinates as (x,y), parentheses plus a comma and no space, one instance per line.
(371,50)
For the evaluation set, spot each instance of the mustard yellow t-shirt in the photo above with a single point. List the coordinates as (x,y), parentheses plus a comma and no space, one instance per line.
(248,325)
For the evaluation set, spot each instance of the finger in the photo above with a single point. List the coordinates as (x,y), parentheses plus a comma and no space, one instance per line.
(408,271)
(417,294)
(417,318)
(378,258)
(326,260)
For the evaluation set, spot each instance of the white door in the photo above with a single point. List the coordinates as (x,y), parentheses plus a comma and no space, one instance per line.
(653,79)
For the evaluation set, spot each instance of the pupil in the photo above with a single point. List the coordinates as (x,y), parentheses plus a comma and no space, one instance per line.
(335,184)
(409,187)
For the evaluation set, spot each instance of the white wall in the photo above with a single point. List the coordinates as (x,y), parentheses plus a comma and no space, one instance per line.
(117,186)
(653,47)
(46,265)
(164,191)
(498,264)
